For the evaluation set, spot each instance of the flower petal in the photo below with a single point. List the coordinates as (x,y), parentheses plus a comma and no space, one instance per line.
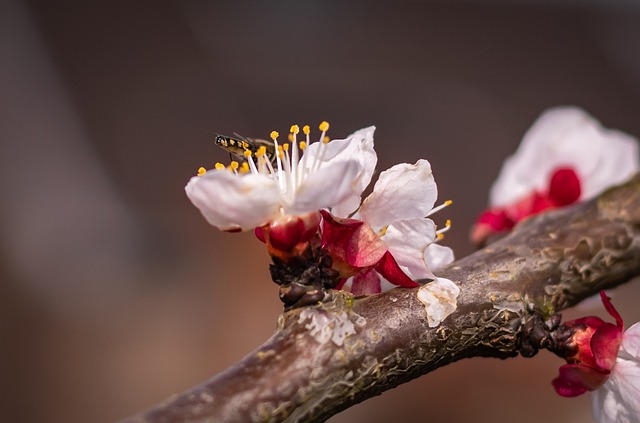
(389,269)
(347,207)
(407,241)
(576,379)
(358,147)
(402,192)
(328,186)
(351,242)
(604,345)
(365,283)
(631,341)
(229,200)
(438,256)
(606,301)
(618,400)
(440,300)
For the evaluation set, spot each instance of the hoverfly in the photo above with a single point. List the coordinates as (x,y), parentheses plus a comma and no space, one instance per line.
(237,146)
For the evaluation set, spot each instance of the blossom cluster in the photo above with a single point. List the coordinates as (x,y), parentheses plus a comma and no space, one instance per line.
(301,196)
(310,194)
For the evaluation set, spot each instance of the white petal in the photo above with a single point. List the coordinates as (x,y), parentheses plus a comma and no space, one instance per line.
(566,136)
(385,285)
(229,200)
(327,187)
(357,146)
(618,400)
(438,256)
(345,208)
(407,241)
(440,300)
(402,192)
(631,341)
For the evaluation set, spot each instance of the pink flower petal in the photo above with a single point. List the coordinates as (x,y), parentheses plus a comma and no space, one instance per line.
(576,379)
(388,267)
(611,310)
(604,346)
(351,241)
(366,283)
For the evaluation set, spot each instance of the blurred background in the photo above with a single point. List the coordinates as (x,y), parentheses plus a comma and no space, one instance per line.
(115,293)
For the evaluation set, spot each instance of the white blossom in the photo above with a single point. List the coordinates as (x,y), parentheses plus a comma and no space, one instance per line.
(326,175)
(566,137)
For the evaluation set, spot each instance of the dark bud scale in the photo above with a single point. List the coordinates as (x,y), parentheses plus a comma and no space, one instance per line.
(305,279)
(540,334)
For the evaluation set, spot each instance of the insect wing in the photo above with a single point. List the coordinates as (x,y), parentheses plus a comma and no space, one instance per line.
(238,146)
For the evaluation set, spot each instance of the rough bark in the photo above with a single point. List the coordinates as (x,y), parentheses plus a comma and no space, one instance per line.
(325,358)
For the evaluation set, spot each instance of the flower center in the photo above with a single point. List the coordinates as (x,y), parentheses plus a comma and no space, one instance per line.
(284,163)
(292,167)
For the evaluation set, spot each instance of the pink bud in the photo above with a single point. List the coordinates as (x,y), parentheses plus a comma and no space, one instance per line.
(564,187)
(593,348)
(285,233)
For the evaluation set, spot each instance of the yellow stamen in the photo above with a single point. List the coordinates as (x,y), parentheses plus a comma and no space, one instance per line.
(202,171)
(440,232)
(234,165)
(244,168)
(294,129)
(306,129)
(274,135)
(324,126)
(303,145)
(326,139)
(219,166)
(285,146)
(261,151)
(440,237)
(290,137)
(247,153)
(440,207)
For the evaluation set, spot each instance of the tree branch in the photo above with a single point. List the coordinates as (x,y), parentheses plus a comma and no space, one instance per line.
(326,358)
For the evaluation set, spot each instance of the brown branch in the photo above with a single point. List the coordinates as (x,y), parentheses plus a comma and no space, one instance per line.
(326,358)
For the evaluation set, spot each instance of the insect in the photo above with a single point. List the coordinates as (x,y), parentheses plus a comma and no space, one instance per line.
(238,146)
